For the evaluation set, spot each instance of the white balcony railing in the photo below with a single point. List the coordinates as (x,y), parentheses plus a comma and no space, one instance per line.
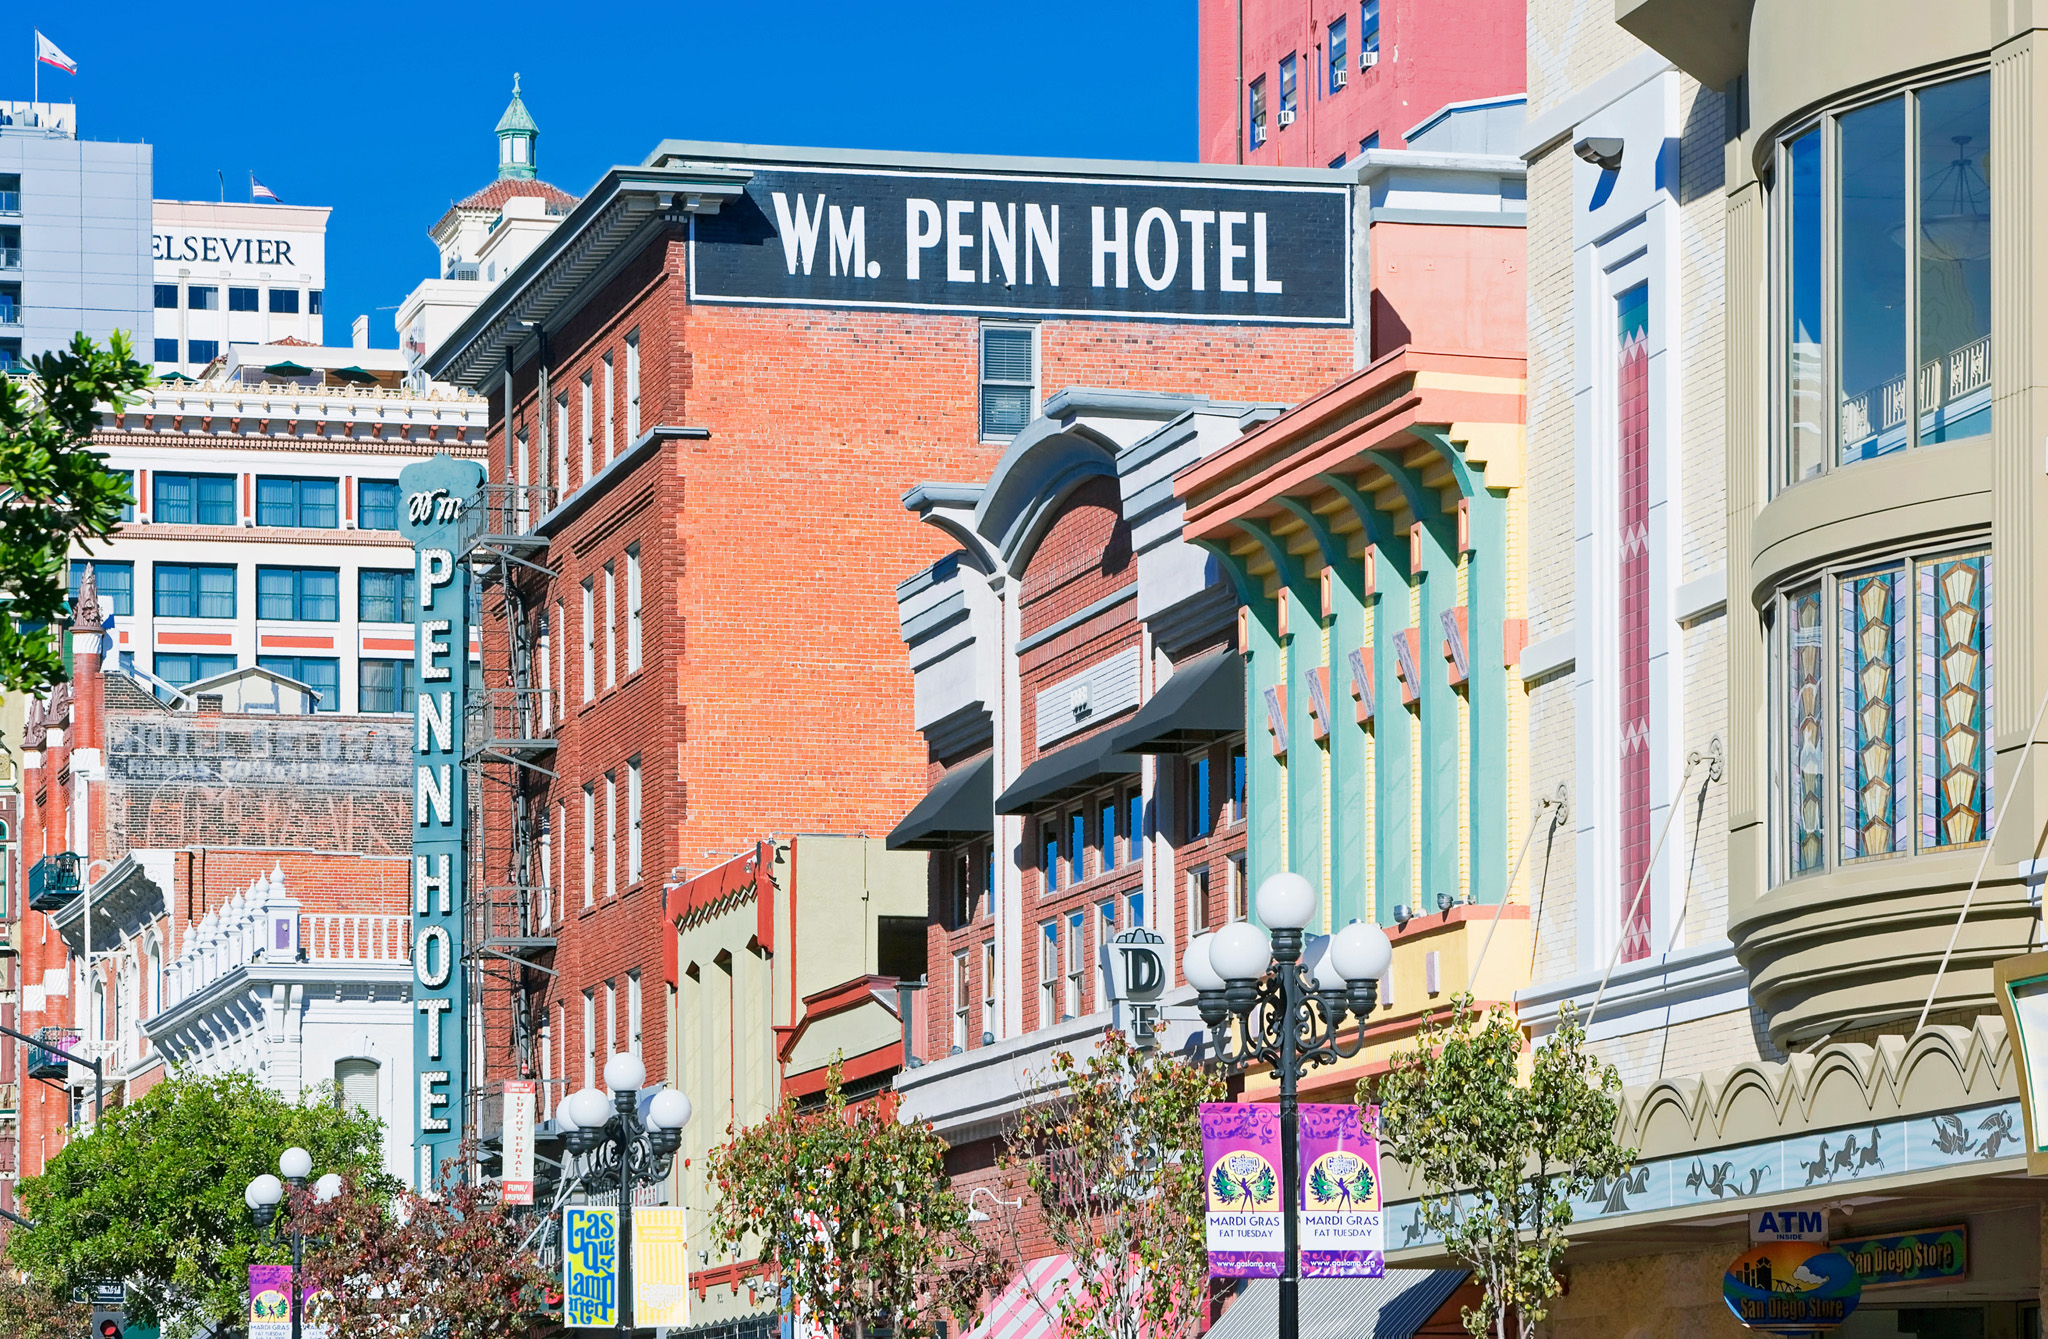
(357,938)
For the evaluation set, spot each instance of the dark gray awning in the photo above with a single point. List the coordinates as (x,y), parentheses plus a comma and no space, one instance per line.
(1394,1307)
(1067,772)
(959,809)
(1202,702)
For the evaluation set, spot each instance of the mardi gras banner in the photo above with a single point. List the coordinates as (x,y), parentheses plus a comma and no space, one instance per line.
(1343,1231)
(590,1266)
(1241,1182)
(270,1305)
(661,1267)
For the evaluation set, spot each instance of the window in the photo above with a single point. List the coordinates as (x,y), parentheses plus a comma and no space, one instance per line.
(182,667)
(240,300)
(313,296)
(611,834)
(311,503)
(1883,688)
(1077,846)
(385,686)
(194,592)
(633,609)
(166,351)
(632,387)
(1884,346)
(1237,783)
(1198,899)
(1105,923)
(114,581)
(558,627)
(561,831)
(632,821)
(1009,379)
(1369,34)
(633,1011)
(611,628)
(167,298)
(202,350)
(1337,161)
(1240,891)
(1077,931)
(128,476)
(988,992)
(588,425)
(202,298)
(1201,816)
(1257,118)
(590,1038)
(963,997)
(1048,972)
(590,844)
(611,422)
(303,594)
(377,504)
(1135,903)
(1369,143)
(1049,868)
(384,595)
(1106,833)
(192,499)
(1287,88)
(963,889)
(321,674)
(284,301)
(611,1018)
(589,643)
(1340,33)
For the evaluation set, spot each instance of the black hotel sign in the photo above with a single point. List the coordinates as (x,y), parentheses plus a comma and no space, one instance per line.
(1030,245)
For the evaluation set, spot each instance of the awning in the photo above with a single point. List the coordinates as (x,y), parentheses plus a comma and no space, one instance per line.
(1016,1313)
(288,369)
(1066,772)
(355,374)
(1202,702)
(1394,1307)
(959,809)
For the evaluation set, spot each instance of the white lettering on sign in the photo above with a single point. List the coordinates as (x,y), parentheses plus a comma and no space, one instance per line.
(433,1007)
(439,505)
(425,883)
(434,791)
(1244,1232)
(1343,1231)
(799,233)
(430,647)
(435,726)
(437,569)
(424,968)
(431,1101)
(1793,1224)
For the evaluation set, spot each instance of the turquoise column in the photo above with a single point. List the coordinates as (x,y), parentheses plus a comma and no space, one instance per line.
(1264,799)
(1301,649)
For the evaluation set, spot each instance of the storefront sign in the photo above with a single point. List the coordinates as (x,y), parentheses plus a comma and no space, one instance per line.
(1241,1179)
(1931,1255)
(1343,1230)
(1051,244)
(435,492)
(1793,1224)
(1791,1287)
(661,1268)
(590,1266)
(517,1146)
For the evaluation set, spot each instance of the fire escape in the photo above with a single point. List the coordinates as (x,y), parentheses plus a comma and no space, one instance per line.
(508,749)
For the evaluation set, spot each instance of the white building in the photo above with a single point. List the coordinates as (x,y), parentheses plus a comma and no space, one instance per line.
(483,237)
(234,273)
(264,530)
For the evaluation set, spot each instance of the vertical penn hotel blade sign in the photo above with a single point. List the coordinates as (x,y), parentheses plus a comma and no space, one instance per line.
(436,493)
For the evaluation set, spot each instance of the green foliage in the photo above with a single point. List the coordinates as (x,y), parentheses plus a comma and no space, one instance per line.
(1503,1155)
(153,1195)
(53,490)
(852,1208)
(1114,1161)
(29,1310)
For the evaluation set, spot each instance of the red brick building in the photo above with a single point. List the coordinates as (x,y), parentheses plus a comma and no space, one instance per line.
(711,387)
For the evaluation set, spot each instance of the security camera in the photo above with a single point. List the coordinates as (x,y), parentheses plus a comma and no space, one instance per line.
(1602,151)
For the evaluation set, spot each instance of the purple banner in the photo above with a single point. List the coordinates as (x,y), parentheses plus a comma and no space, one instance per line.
(1343,1231)
(1241,1182)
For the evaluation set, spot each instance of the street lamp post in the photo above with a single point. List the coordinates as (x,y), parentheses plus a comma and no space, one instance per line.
(622,1148)
(1291,993)
(263,1197)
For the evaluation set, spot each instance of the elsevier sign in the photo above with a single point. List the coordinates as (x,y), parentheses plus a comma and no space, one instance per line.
(435,492)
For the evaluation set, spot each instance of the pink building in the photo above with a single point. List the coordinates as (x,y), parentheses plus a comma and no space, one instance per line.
(1291,84)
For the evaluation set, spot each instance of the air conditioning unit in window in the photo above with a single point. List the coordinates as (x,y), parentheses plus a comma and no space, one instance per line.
(1368,59)
(1258,136)
(1286,117)
(1341,75)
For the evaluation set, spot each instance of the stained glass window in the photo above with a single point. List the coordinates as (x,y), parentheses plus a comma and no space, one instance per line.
(1871,650)
(1805,661)
(1632,461)
(1955,699)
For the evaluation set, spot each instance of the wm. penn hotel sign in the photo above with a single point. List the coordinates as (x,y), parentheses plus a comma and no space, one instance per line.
(1030,246)
(435,493)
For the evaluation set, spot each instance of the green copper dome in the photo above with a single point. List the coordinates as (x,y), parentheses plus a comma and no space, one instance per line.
(517,136)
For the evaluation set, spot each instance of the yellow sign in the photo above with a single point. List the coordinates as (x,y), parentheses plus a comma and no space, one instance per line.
(661,1268)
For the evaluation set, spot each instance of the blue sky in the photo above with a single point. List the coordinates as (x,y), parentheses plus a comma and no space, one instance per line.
(384,111)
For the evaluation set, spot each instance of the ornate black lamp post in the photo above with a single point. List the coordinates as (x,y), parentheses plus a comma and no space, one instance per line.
(264,1196)
(621,1150)
(1291,993)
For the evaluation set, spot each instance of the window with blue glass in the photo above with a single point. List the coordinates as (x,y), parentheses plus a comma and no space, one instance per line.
(1369,143)
(313,301)
(182,667)
(318,673)
(1077,846)
(1049,864)
(202,298)
(186,590)
(166,351)
(1369,32)
(1136,905)
(284,301)
(192,499)
(1200,815)
(385,686)
(385,595)
(1288,87)
(167,296)
(1237,782)
(300,594)
(128,509)
(377,504)
(1255,121)
(1107,833)
(1339,37)
(1135,832)
(114,581)
(242,300)
(310,503)
(202,350)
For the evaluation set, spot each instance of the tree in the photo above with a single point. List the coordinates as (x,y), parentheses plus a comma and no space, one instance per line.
(460,1264)
(54,490)
(853,1209)
(1114,1160)
(1502,1156)
(153,1195)
(30,1310)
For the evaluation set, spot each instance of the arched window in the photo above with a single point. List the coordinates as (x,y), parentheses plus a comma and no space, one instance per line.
(355,1084)
(99,1006)
(153,979)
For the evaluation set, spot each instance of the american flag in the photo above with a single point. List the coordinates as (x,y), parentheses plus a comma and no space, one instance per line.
(258,191)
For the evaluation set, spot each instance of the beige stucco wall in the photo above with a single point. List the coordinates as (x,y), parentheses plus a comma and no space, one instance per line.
(1672,1296)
